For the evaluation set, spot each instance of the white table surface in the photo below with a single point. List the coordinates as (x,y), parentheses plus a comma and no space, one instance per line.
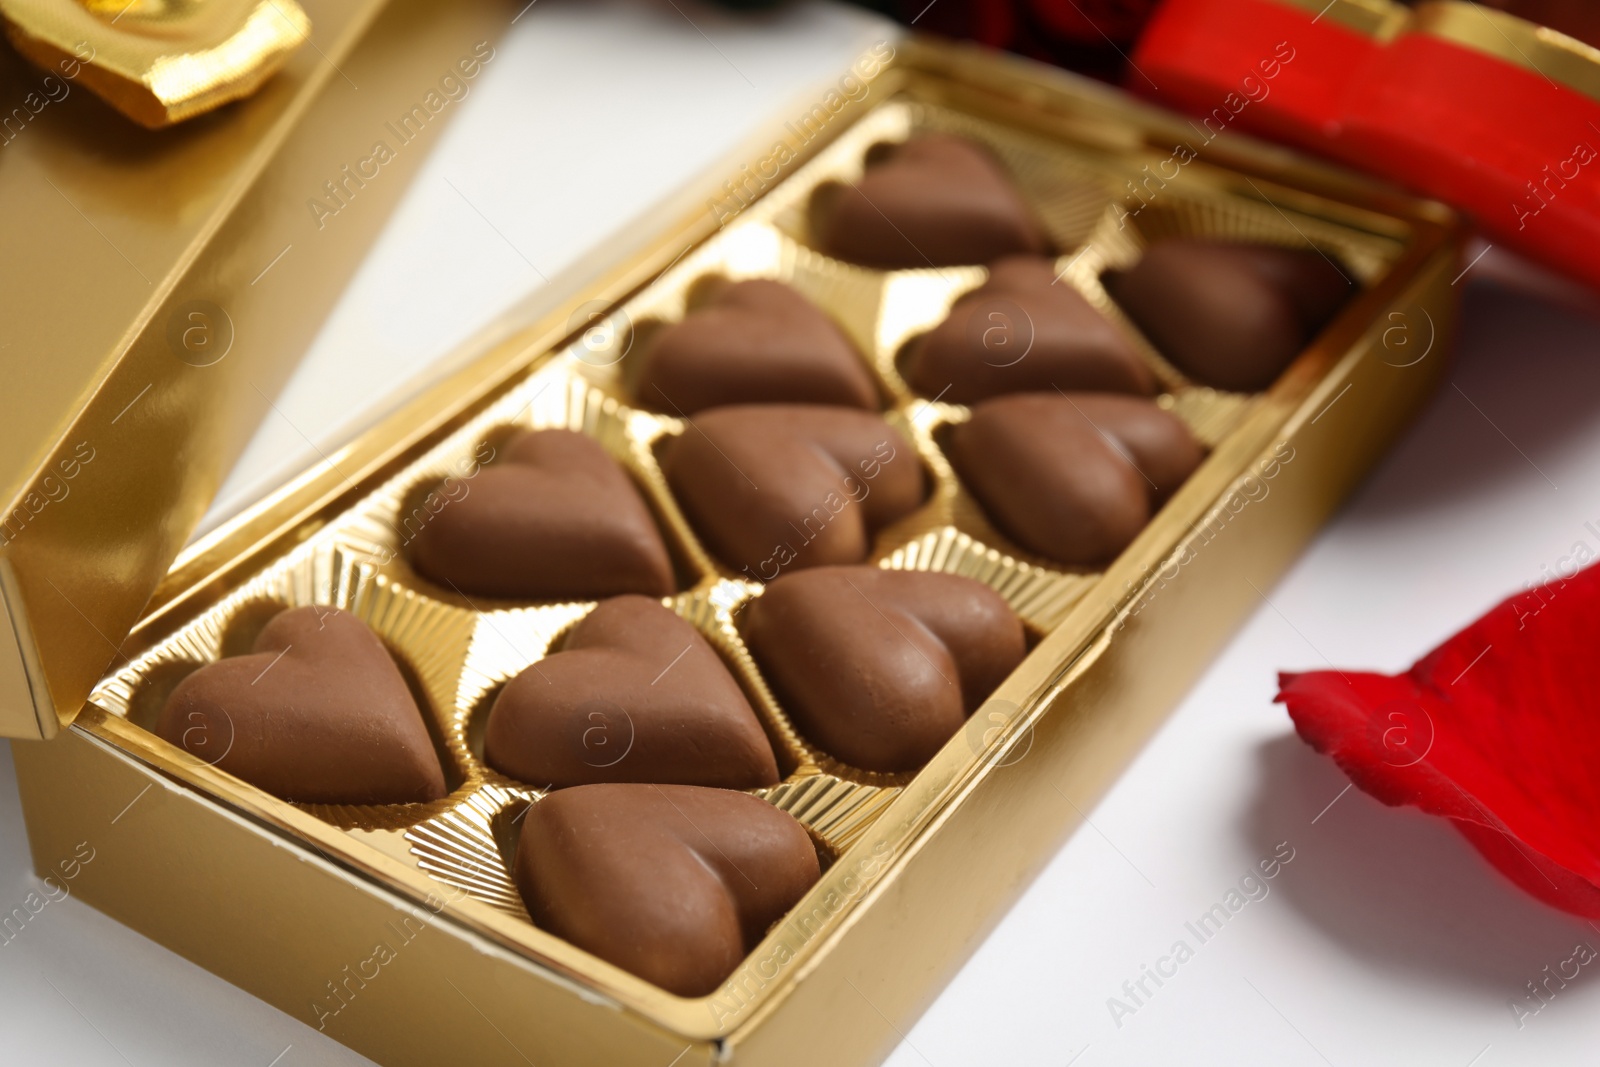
(1384,941)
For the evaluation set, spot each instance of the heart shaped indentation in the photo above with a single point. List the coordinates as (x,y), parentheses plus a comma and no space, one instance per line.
(636,694)
(673,883)
(1023,331)
(1231,316)
(556,519)
(1073,477)
(770,486)
(753,342)
(318,714)
(935,201)
(881,667)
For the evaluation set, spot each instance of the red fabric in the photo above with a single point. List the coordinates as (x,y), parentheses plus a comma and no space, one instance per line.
(1503,143)
(1195,53)
(1497,730)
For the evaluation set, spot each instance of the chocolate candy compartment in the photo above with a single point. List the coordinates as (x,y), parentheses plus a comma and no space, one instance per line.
(229,628)
(460,650)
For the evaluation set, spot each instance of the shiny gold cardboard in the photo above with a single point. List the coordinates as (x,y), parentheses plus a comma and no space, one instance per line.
(1381,19)
(919,863)
(1549,53)
(157,289)
(160,61)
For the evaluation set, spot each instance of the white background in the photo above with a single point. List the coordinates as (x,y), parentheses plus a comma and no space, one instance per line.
(1385,940)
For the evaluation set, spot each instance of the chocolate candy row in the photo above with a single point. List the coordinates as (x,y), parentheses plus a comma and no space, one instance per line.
(785,471)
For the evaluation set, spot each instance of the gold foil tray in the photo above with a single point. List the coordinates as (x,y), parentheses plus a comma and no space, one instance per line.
(459,651)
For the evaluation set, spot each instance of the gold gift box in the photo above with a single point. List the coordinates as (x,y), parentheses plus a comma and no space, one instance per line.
(157,290)
(397,930)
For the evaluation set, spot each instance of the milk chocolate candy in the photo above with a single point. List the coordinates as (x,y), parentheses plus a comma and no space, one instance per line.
(1231,316)
(674,883)
(556,519)
(634,695)
(1072,477)
(880,667)
(318,713)
(768,487)
(935,201)
(754,342)
(1023,331)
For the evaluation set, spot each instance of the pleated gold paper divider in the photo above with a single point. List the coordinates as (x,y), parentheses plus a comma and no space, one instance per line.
(1256,217)
(1115,246)
(1122,235)
(328,568)
(557,396)
(746,250)
(507,643)
(390,518)
(951,533)
(1040,597)
(430,639)
(853,295)
(504,644)
(787,206)
(835,801)
(460,650)
(1066,191)
(427,638)
(464,847)
(1209,413)
(834,809)
(719,615)
(1072,193)
(473,847)
(713,614)
(880,310)
(470,846)
(914,302)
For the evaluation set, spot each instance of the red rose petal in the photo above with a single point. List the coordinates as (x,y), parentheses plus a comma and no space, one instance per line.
(1497,730)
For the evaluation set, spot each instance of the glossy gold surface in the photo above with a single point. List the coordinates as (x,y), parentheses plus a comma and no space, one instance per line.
(921,864)
(1549,53)
(1372,18)
(157,290)
(465,649)
(160,61)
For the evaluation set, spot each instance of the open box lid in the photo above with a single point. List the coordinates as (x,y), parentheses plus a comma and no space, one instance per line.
(158,289)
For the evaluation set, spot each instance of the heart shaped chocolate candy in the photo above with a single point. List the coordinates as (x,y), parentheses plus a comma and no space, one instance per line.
(1231,316)
(556,519)
(1072,477)
(634,695)
(880,667)
(935,201)
(769,486)
(1023,331)
(755,342)
(674,883)
(318,713)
